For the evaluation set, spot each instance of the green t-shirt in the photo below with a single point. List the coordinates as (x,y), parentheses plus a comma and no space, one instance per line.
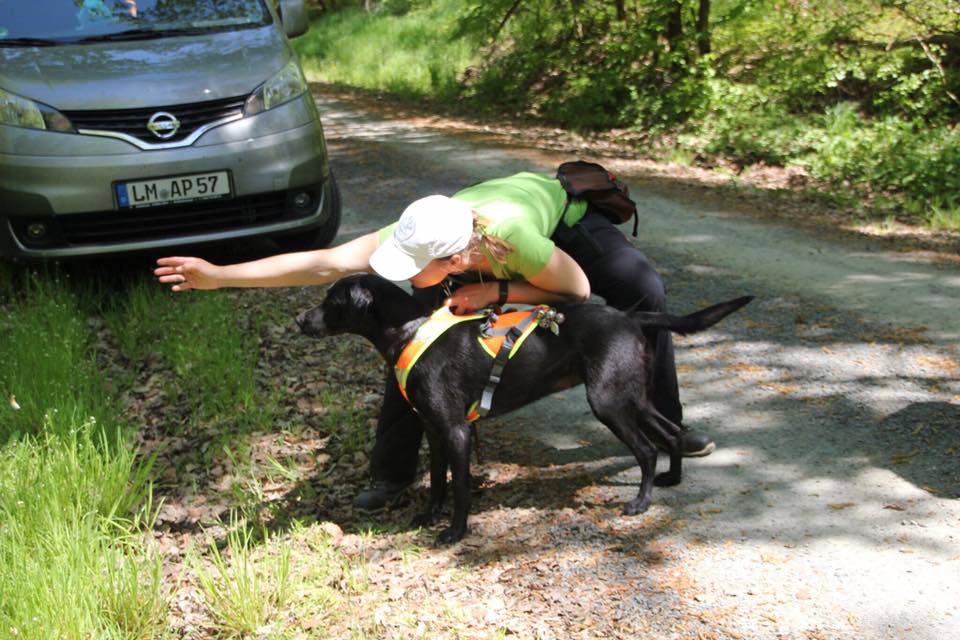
(524,209)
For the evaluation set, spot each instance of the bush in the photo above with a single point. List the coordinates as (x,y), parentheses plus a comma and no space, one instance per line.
(743,122)
(889,155)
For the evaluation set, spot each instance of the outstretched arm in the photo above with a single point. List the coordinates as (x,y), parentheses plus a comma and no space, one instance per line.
(320,266)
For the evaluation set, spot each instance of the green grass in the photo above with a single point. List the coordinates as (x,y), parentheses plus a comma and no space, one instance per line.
(944,217)
(244,589)
(213,359)
(49,368)
(76,499)
(73,509)
(412,55)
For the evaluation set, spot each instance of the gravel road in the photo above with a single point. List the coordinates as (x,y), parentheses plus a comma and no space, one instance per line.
(831,508)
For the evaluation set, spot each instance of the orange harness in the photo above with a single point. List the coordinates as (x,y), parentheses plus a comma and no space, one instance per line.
(501,337)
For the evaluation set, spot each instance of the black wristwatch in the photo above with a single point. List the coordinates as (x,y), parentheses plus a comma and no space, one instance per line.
(504,292)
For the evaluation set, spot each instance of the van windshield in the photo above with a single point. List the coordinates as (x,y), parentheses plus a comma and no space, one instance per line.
(50,22)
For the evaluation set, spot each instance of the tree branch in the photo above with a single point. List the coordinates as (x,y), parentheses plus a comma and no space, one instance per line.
(936,62)
(503,23)
(949,40)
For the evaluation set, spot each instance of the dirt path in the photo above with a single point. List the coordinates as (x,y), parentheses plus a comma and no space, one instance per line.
(830,509)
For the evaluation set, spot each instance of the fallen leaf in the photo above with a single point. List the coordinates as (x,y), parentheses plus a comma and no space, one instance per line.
(903,458)
(745,367)
(13,403)
(782,389)
(936,362)
(895,507)
(312,623)
(841,505)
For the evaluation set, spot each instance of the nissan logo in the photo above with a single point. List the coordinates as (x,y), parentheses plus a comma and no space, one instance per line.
(163,125)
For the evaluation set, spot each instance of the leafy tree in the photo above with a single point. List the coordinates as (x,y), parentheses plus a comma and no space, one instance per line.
(591,63)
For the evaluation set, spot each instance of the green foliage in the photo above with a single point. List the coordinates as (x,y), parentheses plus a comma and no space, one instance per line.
(891,155)
(878,53)
(580,65)
(744,122)
(863,93)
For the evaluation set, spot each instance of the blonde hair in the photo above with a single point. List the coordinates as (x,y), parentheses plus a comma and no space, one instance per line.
(484,244)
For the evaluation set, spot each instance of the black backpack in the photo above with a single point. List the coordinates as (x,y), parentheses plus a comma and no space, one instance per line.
(591,182)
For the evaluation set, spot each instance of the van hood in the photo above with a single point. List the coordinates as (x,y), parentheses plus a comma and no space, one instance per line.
(145,73)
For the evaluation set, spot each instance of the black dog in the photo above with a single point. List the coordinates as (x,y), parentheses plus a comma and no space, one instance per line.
(597,345)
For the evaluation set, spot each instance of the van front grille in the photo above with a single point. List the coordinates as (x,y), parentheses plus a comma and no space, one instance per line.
(133,122)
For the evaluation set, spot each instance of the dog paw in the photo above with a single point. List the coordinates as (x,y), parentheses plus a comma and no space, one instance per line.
(636,506)
(666,479)
(451,535)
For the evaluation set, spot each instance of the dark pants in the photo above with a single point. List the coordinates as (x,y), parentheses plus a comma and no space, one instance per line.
(618,272)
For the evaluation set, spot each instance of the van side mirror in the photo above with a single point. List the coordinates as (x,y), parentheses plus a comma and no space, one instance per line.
(293,17)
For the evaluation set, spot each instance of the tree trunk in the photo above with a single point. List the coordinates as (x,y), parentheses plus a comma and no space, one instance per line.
(675,24)
(621,10)
(703,28)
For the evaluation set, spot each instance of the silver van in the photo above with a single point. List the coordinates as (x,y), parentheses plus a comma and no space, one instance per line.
(130,125)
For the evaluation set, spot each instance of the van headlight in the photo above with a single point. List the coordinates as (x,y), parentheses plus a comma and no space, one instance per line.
(21,112)
(288,84)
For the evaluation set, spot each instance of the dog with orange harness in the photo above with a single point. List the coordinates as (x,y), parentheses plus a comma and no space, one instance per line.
(601,347)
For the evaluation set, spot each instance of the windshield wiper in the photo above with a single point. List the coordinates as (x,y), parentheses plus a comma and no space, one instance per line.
(139,34)
(29,42)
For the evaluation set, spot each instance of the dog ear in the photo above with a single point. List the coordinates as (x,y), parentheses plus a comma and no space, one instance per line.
(362,300)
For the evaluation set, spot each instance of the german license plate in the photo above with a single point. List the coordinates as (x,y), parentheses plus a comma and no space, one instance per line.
(148,193)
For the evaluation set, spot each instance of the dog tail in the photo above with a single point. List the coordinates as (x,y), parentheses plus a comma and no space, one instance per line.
(692,323)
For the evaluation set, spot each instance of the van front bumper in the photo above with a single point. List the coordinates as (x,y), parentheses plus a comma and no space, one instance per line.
(62,204)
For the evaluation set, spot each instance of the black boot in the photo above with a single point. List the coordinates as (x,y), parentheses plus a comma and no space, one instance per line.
(379,494)
(696,445)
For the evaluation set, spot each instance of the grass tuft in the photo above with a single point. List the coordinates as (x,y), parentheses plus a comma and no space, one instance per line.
(242,588)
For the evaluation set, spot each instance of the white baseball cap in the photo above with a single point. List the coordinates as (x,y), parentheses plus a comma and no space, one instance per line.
(430,228)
